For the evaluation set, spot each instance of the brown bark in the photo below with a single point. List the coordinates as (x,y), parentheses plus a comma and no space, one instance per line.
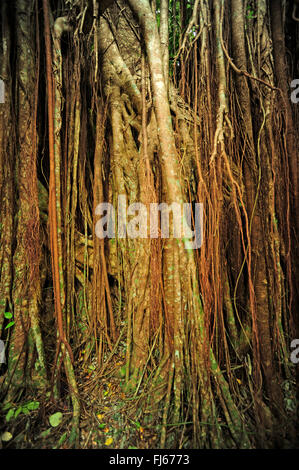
(257,250)
(52,190)
(164,35)
(104,4)
(291,139)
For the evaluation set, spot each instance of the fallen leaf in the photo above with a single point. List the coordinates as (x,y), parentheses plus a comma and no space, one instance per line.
(6,436)
(109,441)
(55,419)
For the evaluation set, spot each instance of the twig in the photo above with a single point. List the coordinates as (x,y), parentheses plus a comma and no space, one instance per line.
(244,72)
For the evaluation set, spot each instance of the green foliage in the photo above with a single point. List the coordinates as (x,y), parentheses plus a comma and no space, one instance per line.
(13,411)
(8,316)
(137,424)
(6,436)
(9,415)
(177,28)
(46,433)
(56,419)
(250,13)
(62,439)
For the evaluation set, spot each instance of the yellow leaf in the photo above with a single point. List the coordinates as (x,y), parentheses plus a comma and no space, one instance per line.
(100,417)
(141,429)
(109,441)
(6,436)
(106,430)
(239,381)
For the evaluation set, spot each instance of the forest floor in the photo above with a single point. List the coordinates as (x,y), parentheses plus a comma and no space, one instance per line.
(110,418)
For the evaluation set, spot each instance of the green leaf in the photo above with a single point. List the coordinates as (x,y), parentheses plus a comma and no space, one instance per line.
(62,439)
(33,405)
(8,315)
(6,406)
(11,323)
(18,411)
(6,436)
(10,414)
(46,433)
(55,419)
